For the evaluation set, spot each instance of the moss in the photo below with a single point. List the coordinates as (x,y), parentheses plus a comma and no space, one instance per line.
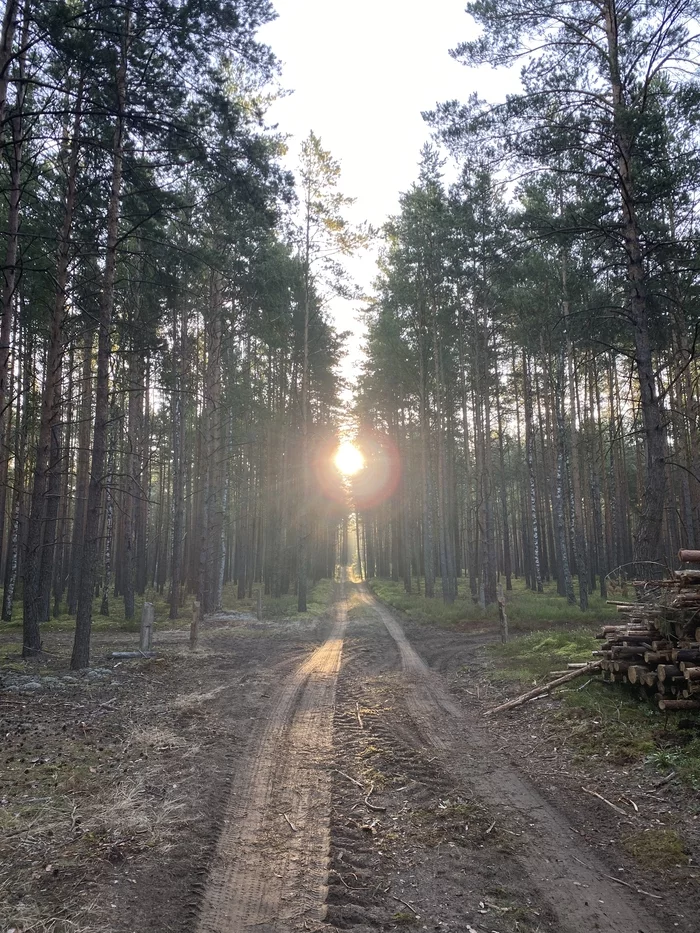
(656,849)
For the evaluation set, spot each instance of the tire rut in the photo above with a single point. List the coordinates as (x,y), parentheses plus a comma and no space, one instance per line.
(270,871)
(567,874)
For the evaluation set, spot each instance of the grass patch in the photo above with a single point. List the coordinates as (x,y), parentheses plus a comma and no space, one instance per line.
(613,723)
(319,598)
(684,759)
(526,609)
(656,849)
(531,657)
(464,822)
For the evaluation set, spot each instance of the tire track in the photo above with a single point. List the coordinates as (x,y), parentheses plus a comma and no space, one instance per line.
(567,874)
(270,871)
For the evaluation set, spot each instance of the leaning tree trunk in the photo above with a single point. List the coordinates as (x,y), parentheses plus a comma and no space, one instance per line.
(81,645)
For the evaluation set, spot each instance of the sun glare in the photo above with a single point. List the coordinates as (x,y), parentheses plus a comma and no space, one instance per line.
(348,459)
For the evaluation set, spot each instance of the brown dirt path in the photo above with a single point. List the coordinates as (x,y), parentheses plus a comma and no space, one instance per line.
(566,873)
(271,865)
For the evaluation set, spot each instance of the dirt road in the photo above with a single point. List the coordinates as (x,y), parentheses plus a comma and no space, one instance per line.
(271,863)
(374,799)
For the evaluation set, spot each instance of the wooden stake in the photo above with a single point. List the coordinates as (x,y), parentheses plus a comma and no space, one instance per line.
(503,618)
(147,620)
(194,627)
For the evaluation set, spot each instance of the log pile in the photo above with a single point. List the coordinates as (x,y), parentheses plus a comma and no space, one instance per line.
(657,647)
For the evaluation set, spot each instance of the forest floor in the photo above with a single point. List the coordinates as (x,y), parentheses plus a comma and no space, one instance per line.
(335,771)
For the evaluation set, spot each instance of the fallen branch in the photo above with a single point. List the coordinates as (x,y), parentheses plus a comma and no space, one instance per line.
(128,655)
(545,688)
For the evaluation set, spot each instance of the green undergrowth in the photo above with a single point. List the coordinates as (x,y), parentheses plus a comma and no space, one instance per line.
(115,620)
(530,657)
(612,723)
(318,600)
(526,610)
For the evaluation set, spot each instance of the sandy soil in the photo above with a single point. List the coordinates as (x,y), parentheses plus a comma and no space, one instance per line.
(337,774)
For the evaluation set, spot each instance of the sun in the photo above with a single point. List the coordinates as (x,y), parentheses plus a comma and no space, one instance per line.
(348,459)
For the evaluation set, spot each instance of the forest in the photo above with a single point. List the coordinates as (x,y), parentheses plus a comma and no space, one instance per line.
(414,649)
(170,397)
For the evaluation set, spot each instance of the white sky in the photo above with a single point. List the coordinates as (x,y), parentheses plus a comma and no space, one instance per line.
(361,72)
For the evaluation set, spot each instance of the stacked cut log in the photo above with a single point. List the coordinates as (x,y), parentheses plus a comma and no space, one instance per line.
(657,648)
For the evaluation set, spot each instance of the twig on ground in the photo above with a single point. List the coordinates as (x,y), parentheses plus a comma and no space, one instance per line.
(633,887)
(406,904)
(594,793)
(359,718)
(666,780)
(347,777)
(371,806)
(290,823)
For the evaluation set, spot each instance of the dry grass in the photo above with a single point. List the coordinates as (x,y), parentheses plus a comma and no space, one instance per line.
(129,816)
(160,740)
(26,917)
(193,700)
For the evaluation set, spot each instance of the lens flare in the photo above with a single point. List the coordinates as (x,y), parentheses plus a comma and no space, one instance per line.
(348,459)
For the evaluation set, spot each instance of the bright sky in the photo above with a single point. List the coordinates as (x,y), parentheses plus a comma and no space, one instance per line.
(361,73)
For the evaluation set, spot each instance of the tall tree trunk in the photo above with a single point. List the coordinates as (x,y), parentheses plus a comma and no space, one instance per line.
(14,195)
(178,437)
(649,530)
(507,566)
(562,537)
(530,457)
(578,531)
(81,646)
(45,484)
(12,564)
